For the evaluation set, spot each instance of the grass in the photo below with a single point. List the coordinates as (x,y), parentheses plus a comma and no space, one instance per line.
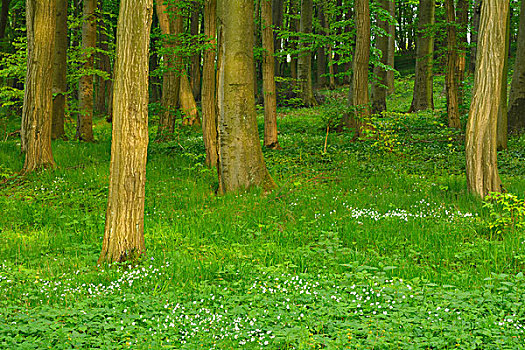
(371,244)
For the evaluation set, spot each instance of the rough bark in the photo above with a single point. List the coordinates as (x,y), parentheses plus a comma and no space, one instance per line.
(38,98)
(451,84)
(59,71)
(241,163)
(379,84)
(269,91)
(85,85)
(516,114)
(124,230)
(359,99)
(423,95)
(209,98)
(480,146)
(304,62)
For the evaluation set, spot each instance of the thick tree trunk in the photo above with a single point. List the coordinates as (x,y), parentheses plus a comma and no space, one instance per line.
(59,71)
(85,85)
(38,98)
(209,98)
(423,95)
(480,146)
(450,78)
(379,84)
(516,114)
(170,26)
(502,135)
(304,62)
(196,58)
(391,48)
(270,96)
(241,163)
(359,98)
(124,230)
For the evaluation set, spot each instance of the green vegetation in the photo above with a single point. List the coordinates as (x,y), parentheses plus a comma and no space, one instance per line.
(371,244)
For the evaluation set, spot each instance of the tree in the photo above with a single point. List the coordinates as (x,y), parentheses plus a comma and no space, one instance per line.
(59,71)
(391,47)
(379,85)
(451,83)
(124,230)
(480,146)
(85,85)
(38,98)
(270,96)
(423,95)
(358,98)
(209,99)
(502,136)
(516,116)
(304,62)
(241,163)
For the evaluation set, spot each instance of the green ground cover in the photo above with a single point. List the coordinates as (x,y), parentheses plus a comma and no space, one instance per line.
(373,244)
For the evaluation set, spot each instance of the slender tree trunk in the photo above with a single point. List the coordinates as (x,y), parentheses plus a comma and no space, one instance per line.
(38,98)
(241,163)
(196,58)
(461,52)
(270,96)
(379,84)
(474,34)
(171,26)
(502,135)
(187,102)
(359,98)
(480,146)
(516,115)
(59,71)
(277,20)
(85,85)
(124,230)
(321,52)
(209,99)
(304,63)
(423,94)
(391,48)
(104,65)
(450,78)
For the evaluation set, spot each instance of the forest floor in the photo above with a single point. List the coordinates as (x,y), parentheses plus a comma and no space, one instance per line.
(372,244)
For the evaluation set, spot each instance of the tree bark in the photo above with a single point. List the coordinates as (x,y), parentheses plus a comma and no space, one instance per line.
(241,163)
(59,71)
(379,84)
(502,135)
(38,98)
(359,98)
(103,64)
(516,115)
(304,62)
(270,96)
(391,48)
(461,52)
(196,58)
(209,98)
(85,85)
(450,78)
(423,95)
(474,34)
(187,102)
(124,230)
(480,146)
(277,20)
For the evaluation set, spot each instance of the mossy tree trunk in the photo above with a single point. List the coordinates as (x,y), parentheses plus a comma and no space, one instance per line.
(516,113)
(85,85)
(59,71)
(481,137)
(38,98)
(124,230)
(241,162)
(423,95)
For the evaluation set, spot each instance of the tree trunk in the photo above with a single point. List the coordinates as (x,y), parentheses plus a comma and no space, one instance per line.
(423,94)
(391,48)
(321,52)
(196,58)
(4,17)
(480,146)
(502,135)
(170,26)
(187,102)
(474,34)
(379,84)
(38,98)
(461,52)
(59,71)
(85,85)
(359,98)
(241,163)
(103,64)
(450,78)
(124,230)
(516,116)
(270,96)
(277,20)
(304,63)
(209,99)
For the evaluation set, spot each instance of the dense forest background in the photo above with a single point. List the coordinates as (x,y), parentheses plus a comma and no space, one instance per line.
(285,174)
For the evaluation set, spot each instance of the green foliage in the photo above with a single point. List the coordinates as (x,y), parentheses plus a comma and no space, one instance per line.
(506,212)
